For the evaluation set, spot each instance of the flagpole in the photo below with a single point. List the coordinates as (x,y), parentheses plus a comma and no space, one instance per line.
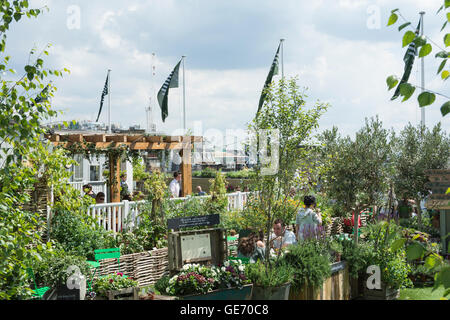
(184,99)
(109,101)
(282,58)
(422,110)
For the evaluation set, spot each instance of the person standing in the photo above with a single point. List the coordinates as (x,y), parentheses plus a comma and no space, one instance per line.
(87,188)
(307,219)
(124,191)
(174,185)
(200,192)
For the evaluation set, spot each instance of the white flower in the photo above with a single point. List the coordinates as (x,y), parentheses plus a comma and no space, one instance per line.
(241,268)
(223,269)
(226,263)
(167,290)
(186,267)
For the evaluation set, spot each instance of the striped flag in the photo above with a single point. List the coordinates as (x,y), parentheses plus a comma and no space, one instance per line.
(42,96)
(273,71)
(163,93)
(104,93)
(409,57)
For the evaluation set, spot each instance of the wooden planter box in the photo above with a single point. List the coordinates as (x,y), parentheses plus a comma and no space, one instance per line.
(223,294)
(385,293)
(271,293)
(123,294)
(336,287)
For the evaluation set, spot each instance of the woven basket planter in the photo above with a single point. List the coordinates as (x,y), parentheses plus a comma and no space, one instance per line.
(145,267)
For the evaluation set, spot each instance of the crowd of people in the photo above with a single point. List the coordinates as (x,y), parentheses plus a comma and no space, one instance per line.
(307,218)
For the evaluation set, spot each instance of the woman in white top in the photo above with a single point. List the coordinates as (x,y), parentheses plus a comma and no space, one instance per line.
(307,219)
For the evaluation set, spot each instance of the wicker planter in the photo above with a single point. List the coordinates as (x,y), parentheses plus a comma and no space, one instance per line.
(123,294)
(271,293)
(385,293)
(145,267)
(223,294)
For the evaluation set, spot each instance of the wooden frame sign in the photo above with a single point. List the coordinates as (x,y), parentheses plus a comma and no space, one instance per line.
(439,184)
(196,221)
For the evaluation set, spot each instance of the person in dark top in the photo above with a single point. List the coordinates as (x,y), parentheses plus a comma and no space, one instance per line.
(100,198)
(251,247)
(87,188)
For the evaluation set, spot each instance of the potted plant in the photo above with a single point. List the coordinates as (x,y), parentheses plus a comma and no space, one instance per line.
(271,283)
(196,282)
(116,287)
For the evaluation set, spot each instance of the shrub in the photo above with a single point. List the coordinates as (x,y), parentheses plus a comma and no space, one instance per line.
(52,270)
(79,234)
(113,282)
(311,263)
(273,276)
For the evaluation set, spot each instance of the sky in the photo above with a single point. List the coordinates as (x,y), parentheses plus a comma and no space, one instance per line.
(340,50)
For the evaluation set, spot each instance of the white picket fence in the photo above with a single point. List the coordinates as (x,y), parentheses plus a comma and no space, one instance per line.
(120,216)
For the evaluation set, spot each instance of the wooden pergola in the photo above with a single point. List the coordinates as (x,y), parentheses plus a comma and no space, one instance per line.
(142,142)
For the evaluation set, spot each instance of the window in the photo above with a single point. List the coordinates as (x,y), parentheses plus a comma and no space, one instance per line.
(78,169)
(94,173)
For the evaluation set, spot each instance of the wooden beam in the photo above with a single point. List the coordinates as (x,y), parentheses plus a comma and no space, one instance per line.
(95,138)
(186,170)
(114,177)
(154,139)
(116,138)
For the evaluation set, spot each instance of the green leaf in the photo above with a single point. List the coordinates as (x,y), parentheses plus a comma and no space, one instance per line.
(448,16)
(442,66)
(426,98)
(445,108)
(444,25)
(403,26)
(406,90)
(408,37)
(420,41)
(395,10)
(447,4)
(391,82)
(433,261)
(445,74)
(442,54)
(414,251)
(440,9)
(447,39)
(425,50)
(392,19)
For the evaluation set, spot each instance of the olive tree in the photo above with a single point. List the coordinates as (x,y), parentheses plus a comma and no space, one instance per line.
(417,149)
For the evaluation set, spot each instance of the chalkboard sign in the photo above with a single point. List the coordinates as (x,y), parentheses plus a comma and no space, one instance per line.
(439,183)
(187,222)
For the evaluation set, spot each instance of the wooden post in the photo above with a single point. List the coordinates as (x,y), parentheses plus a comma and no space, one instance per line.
(114,178)
(186,166)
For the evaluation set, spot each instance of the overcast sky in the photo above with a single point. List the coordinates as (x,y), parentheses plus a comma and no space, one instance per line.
(340,50)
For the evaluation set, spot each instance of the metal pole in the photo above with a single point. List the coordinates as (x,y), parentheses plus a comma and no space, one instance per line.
(184,100)
(109,101)
(422,118)
(282,58)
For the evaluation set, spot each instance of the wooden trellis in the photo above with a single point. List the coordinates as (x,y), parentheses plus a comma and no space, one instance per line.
(107,142)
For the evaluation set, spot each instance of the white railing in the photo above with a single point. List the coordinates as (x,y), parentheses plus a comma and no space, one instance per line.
(120,216)
(97,186)
(117,216)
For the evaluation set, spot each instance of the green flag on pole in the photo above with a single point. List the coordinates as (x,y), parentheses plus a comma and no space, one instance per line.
(163,93)
(409,57)
(273,71)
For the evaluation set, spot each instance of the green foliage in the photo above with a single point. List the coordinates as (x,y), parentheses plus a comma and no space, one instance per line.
(357,256)
(285,115)
(79,234)
(113,282)
(52,270)
(418,149)
(310,261)
(147,236)
(218,201)
(139,173)
(273,276)
(425,48)
(24,105)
